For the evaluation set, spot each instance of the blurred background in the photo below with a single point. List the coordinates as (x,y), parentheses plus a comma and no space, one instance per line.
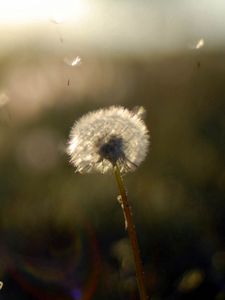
(62,233)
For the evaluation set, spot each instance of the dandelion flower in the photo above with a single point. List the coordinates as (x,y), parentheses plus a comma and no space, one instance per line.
(117,139)
(107,137)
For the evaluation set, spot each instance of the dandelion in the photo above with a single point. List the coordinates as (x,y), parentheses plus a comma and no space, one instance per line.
(113,139)
(106,137)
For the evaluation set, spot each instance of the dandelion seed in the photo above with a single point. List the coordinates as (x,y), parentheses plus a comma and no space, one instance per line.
(76,61)
(73,62)
(199,44)
(140,111)
(108,137)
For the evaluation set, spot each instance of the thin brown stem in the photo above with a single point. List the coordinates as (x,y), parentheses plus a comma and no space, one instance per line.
(132,235)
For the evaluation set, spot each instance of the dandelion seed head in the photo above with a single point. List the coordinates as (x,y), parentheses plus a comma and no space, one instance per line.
(106,137)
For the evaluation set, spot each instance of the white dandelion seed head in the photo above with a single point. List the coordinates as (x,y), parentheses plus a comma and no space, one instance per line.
(103,138)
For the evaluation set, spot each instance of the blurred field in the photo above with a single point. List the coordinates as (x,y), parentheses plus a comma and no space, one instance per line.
(62,234)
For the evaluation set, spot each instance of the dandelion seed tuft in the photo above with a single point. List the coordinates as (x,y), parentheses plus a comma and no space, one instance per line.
(107,137)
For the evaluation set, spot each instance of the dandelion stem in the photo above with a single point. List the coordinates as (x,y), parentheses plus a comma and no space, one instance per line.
(132,234)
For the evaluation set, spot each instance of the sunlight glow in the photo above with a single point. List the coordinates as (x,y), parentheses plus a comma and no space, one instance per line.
(113,25)
(14,12)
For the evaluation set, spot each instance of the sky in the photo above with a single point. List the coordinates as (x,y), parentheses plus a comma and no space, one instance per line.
(130,26)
